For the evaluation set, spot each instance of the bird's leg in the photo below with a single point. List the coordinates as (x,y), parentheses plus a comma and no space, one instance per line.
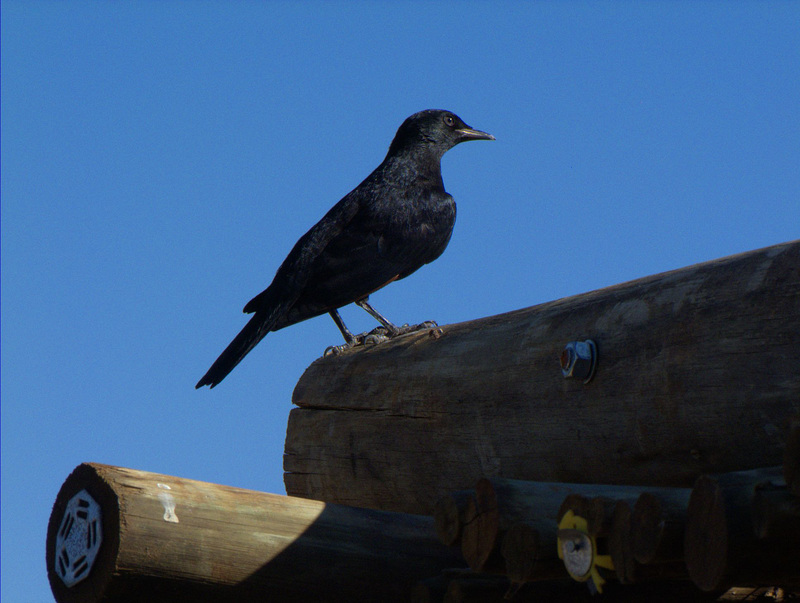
(386,331)
(392,330)
(350,339)
(348,336)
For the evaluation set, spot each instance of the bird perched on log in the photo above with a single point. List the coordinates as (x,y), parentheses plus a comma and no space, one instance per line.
(398,219)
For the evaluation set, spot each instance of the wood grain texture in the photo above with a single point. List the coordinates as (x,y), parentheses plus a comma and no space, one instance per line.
(228,544)
(697,374)
(741,530)
(658,525)
(791,459)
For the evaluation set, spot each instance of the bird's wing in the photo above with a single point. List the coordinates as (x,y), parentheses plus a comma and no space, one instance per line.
(296,270)
(370,252)
(272,305)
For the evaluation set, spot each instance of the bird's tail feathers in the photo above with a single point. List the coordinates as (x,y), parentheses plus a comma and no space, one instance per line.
(254,331)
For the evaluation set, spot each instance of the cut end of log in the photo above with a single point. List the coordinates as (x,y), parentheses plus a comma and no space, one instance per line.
(706,542)
(647,527)
(71,572)
(520,549)
(619,543)
(448,516)
(480,541)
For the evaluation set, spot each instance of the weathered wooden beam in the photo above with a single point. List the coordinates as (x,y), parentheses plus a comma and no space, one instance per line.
(697,373)
(743,529)
(791,459)
(162,538)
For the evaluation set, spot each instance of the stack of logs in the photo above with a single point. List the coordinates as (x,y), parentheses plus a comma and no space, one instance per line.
(693,379)
(739,528)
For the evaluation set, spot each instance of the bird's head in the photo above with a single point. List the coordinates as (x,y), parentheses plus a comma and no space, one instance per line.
(435,131)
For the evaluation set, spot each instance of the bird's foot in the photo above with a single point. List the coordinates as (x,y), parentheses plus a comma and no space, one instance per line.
(405,329)
(335,350)
(378,335)
(373,337)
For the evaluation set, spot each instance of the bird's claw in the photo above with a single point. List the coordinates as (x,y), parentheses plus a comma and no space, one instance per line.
(335,350)
(405,329)
(378,335)
(375,338)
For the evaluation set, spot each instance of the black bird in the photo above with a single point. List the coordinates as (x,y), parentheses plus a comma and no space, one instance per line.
(395,221)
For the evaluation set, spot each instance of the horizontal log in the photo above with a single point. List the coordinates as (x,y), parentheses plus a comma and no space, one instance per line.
(123,535)
(791,459)
(742,530)
(697,373)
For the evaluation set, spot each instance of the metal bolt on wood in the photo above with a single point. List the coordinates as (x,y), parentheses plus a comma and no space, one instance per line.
(579,360)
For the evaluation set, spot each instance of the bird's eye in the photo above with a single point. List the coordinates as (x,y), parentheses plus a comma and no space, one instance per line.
(448,119)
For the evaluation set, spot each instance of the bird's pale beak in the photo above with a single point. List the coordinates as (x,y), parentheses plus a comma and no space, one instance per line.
(470,134)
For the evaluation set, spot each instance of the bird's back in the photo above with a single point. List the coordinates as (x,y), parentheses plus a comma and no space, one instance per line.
(396,228)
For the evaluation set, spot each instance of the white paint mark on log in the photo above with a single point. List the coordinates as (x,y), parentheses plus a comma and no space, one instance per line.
(168,502)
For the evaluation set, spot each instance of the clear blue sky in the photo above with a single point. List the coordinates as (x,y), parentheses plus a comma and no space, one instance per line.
(160,159)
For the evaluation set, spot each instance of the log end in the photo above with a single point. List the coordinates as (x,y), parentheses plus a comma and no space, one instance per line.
(619,543)
(448,516)
(480,538)
(791,459)
(706,541)
(647,526)
(83,537)
(520,549)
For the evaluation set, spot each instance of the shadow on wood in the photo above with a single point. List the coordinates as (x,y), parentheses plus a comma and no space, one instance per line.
(166,538)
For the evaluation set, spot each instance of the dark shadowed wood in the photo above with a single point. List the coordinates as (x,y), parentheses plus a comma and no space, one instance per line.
(658,525)
(476,589)
(623,535)
(449,516)
(620,543)
(791,459)
(526,560)
(729,540)
(697,374)
(430,590)
(500,504)
(221,544)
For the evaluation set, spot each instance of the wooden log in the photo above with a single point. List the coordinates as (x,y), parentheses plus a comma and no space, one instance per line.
(162,538)
(734,539)
(658,525)
(791,459)
(609,526)
(622,540)
(484,589)
(697,373)
(526,560)
(500,504)
(449,516)
(478,557)
(430,590)
(620,543)
(776,516)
